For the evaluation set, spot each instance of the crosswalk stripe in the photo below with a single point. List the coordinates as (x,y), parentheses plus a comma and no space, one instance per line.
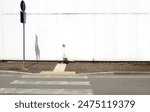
(51,82)
(46,91)
(52,76)
(7,75)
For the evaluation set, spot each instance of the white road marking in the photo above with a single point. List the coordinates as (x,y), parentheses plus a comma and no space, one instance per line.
(60,67)
(52,82)
(123,76)
(7,75)
(54,76)
(46,91)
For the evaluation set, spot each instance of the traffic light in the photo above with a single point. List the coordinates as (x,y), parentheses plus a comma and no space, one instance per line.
(22,12)
(23,5)
(22,17)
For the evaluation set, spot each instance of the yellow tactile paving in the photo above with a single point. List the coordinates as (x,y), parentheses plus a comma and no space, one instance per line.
(57,73)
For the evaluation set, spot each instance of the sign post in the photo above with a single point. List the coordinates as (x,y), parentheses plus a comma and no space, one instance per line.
(23,20)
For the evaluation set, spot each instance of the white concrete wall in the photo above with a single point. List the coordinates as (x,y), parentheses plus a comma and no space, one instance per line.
(101,30)
(1,31)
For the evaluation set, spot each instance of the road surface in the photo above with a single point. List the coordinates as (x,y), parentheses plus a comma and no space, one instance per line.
(99,84)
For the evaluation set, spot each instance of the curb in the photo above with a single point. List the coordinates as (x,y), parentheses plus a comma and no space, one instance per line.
(74,73)
(42,73)
(16,72)
(96,73)
(57,73)
(132,72)
(116,73)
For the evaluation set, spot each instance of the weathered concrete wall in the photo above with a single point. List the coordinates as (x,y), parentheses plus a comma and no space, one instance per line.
(1,43)
(101,30)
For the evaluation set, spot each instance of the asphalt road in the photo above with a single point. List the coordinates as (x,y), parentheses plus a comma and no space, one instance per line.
(110,84)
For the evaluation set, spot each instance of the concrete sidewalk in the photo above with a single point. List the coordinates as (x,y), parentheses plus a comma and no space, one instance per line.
(79,67)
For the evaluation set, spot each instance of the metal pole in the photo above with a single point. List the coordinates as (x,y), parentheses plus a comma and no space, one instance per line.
(23,20)
(23,45)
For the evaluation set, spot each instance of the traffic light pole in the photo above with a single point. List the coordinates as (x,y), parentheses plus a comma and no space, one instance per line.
(23,45)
